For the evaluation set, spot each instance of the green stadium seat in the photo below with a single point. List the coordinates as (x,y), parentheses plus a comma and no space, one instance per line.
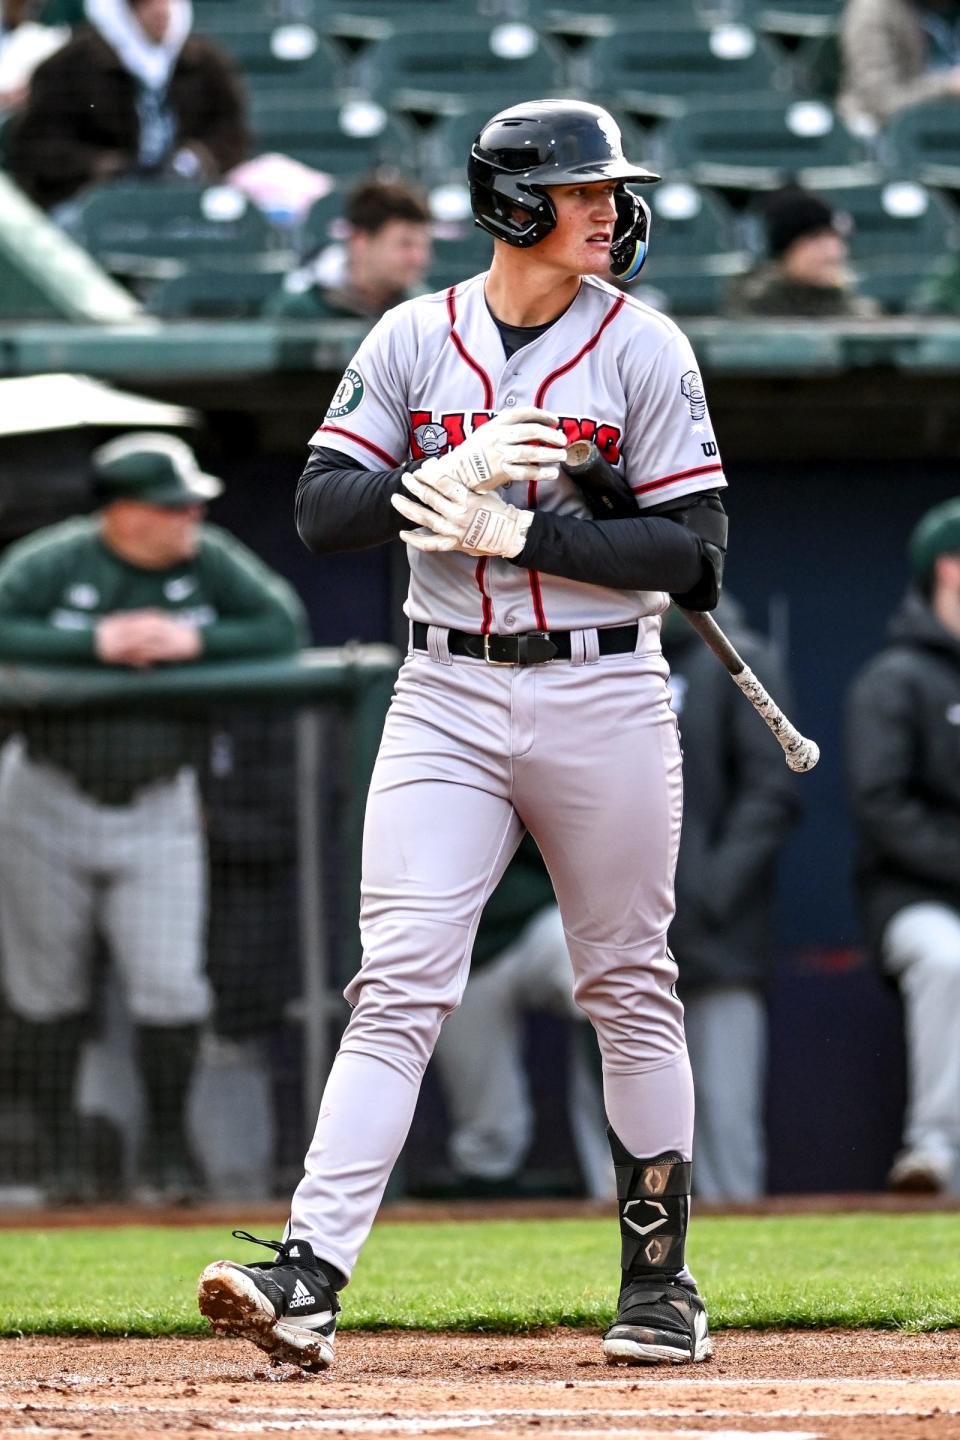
(143,229)
(658,70)
(458,253)
(896,218)
(285,54)
(688,222)
(899,285)
(362,21)
(816,66)
(318,226)
(688,287)
(759,144)
(608,15)
(439,71)
(796,18)
(924,140)
(214,294)
(343,138)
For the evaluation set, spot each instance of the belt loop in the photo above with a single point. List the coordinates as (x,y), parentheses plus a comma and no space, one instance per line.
(591,647)
(643,634)
(437,646)
(578,648)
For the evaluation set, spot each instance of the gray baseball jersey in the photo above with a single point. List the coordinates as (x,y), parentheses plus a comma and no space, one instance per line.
(616,371)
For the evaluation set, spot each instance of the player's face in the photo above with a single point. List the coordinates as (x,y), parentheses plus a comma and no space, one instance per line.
(586,215)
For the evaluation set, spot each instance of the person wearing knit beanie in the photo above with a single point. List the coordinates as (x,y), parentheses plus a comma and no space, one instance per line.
(805,271)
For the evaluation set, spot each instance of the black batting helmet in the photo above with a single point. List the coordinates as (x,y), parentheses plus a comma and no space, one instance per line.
(555,142)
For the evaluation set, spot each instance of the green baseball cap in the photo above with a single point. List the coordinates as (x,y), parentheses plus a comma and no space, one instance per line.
(157,469)
(936,533)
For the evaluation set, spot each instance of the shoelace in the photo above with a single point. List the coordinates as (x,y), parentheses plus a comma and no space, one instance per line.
(280,1249)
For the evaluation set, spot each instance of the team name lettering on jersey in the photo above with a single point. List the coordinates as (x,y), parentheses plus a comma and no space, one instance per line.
(431,436)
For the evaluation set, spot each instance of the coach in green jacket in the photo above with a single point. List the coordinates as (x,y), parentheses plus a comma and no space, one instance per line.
(100,823)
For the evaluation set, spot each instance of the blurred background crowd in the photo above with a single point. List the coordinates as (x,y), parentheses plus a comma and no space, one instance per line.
(298,165)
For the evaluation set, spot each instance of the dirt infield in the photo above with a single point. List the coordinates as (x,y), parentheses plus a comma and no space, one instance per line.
(819,1386)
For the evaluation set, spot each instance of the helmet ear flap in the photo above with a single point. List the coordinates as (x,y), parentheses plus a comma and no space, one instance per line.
(508,208)
(631,236)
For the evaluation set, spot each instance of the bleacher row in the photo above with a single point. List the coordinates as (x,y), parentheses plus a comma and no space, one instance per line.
(727,99)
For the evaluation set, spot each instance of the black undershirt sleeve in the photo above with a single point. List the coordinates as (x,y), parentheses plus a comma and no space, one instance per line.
(646,553)
(342,506)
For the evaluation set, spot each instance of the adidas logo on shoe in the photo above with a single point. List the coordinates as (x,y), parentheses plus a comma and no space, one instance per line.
(301,1296)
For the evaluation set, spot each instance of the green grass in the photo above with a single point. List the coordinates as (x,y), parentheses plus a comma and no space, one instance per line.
(891,1271)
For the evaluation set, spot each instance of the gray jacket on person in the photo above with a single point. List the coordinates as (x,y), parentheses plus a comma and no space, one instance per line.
(886,60)
(739,804)
(903,760)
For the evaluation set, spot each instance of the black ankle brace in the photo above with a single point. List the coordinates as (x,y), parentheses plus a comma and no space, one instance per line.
(653,1198)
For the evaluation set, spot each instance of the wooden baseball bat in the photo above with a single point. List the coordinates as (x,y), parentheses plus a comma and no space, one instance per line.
(609,496)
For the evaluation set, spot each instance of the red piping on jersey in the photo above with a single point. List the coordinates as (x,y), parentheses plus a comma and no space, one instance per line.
(463,352)
(611,314)
(487,611)
(680,475)
(360,440)
(534,575)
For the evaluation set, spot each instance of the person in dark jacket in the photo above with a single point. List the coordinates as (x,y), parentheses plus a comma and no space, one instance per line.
(805,272)
(739,804)
(132,93)
(903,727)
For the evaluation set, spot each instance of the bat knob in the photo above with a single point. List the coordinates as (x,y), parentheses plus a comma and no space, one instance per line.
(803,756)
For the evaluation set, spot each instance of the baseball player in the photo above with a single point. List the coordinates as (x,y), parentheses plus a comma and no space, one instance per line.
(101,830)
(533,697)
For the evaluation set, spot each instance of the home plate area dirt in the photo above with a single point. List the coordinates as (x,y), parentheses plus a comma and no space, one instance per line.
(783,1386)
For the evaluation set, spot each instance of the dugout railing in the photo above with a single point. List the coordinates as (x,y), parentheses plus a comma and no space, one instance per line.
(275,756)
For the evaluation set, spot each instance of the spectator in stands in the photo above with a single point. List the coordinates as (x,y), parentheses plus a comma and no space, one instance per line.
(739,805)
(100,823)
(903,729)
(24,44)
(805,271)
(520,964)
(897,53)
(382,261)
(133,93)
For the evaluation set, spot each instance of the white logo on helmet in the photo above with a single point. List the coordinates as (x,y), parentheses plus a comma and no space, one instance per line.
(610,131)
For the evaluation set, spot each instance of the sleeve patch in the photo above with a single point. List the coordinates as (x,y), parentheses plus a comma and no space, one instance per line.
(347,396)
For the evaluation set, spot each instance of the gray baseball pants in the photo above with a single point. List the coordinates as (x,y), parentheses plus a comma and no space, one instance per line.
(584,754)
(136,872)
(921,947)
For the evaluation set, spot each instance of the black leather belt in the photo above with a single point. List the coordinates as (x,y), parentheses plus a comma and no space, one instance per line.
(531,649)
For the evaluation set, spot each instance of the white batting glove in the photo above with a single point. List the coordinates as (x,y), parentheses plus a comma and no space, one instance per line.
(456,518)
(525,444)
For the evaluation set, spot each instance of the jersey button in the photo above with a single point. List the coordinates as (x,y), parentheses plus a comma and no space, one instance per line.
(510,400)
(510,620)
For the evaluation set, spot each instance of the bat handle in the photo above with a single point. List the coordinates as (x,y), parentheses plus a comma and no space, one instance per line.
(801,754)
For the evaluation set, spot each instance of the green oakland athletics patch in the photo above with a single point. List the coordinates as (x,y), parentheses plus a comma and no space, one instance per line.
(347,395)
